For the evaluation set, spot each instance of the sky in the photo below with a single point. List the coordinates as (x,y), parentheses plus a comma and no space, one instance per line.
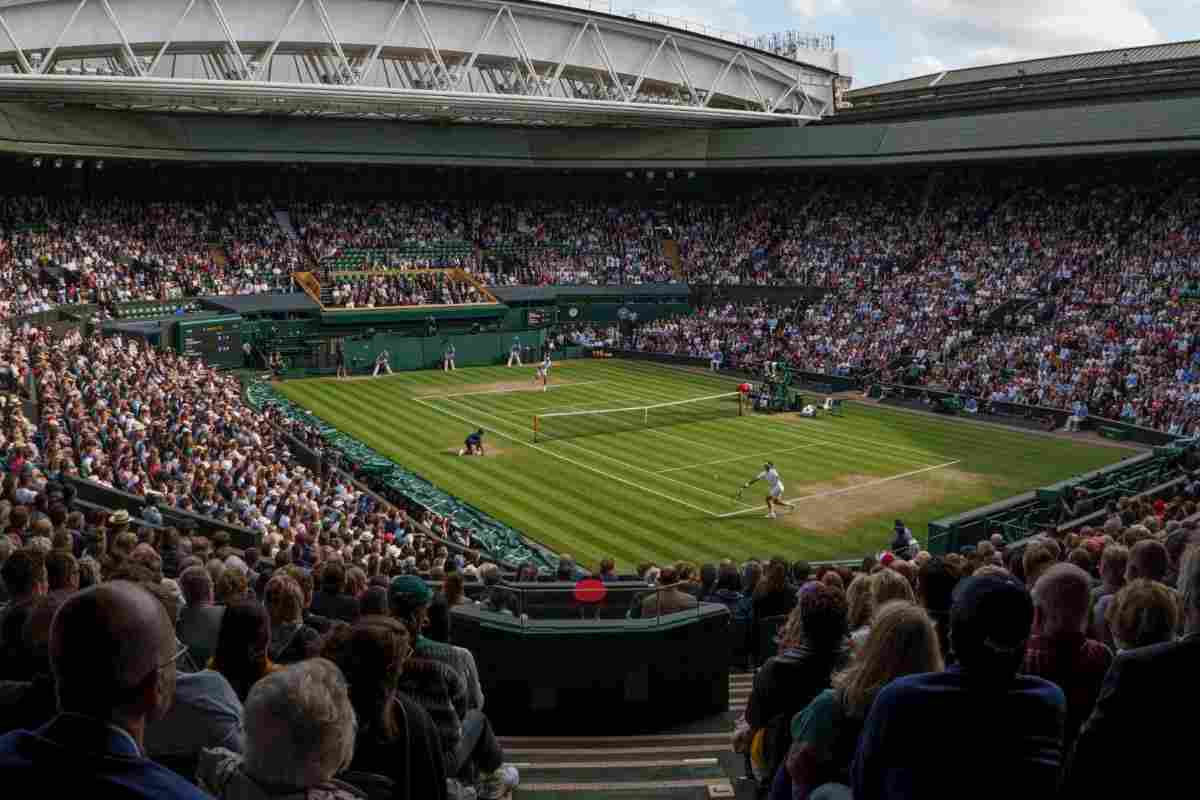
(889,40)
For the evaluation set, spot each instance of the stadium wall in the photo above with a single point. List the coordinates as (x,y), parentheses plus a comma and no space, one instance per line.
(1113,128)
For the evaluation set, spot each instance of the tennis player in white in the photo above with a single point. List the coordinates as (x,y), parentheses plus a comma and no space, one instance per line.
(543,373)
(774,489)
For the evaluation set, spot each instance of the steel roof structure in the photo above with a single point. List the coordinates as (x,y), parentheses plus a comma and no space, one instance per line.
(468,61)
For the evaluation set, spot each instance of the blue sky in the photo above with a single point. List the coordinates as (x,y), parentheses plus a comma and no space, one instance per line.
(893,39)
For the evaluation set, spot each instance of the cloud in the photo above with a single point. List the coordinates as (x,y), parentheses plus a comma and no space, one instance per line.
(961,33)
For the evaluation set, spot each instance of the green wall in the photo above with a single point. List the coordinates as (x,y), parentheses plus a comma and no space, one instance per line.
(412,352)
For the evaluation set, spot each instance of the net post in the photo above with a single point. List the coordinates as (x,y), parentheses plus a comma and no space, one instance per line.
(535,427)
(741,403)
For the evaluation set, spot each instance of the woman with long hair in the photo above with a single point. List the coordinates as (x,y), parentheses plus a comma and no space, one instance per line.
(902,641)
(242,644)
(396,737)
(291,639)
(772,597)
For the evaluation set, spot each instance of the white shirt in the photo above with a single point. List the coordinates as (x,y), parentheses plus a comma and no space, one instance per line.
(771,476)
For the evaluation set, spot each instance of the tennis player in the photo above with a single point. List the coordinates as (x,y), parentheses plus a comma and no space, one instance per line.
(543,373)
(774,489)
(473,445)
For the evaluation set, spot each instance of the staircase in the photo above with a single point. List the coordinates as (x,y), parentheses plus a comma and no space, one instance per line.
(668,766)
(284,220)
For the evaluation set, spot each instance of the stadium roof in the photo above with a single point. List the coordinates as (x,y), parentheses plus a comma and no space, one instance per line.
(1081,77)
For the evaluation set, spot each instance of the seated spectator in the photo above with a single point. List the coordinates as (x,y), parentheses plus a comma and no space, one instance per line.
(886,585)
(331,599)
(1059,650)
(415,598)
(374,602)
(199,620)
(669,598)
(466,734)
(26,581)
(1113,564)
(62,572)
(825,734)
(1143,613)
(788,682)
(291,639)
(914,716)
(1141,710)
(496,596)
(113,653)
(300,732)
(772,596)
(396,738)
(607,571)
(313,620)
(242,646)
(726,589)
(30,704)
(935,590)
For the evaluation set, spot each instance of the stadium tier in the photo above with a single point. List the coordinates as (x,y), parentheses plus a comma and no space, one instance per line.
(528,401)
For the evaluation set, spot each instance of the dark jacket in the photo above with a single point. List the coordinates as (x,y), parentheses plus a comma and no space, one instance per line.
(782,688)
(1017,725)
(774,604)
(335,606)
(74,756)
(1140,723)
(198,628)
(293,642)
(412,760)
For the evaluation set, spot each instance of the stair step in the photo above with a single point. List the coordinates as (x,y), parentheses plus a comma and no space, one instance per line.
(611,741)
(524,753)
(625,772)
(648,789)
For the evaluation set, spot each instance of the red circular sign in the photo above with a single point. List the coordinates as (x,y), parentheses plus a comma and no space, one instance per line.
(590,590)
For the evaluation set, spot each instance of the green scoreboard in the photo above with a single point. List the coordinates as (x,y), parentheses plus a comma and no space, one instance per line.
(217,340)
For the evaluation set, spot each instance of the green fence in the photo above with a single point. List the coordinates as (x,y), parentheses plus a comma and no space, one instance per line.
(500,542)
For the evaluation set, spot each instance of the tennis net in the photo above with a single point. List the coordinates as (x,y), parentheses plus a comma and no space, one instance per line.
(571,424)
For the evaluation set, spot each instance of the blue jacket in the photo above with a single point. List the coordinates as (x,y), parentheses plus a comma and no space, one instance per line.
(77,756)
(924,730)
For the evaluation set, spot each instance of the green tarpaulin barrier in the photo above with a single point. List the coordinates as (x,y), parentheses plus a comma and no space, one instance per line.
(499,541)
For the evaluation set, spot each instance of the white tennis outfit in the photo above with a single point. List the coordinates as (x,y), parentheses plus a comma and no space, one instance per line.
(774,482)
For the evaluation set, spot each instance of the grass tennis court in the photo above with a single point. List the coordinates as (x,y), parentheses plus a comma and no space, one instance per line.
(668,493)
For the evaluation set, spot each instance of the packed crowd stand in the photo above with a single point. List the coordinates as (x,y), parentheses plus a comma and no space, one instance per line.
(404,289)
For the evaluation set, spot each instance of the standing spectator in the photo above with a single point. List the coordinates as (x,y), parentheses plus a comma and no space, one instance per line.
(989,624)
(1141,710)
(825,734)
(396,737)
(113,652)
(200,620)
(300,732)
(1059,650)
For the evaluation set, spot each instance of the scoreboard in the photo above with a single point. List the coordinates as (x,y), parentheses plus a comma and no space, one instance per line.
(536,317)
(216,341)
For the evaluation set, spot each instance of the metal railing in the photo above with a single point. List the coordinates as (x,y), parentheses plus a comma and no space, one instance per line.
(781,43)
(619,600)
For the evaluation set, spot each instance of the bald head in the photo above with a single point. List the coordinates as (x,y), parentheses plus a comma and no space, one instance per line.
(106,643)
(1061,597)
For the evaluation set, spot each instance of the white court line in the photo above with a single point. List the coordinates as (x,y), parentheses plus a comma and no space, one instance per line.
(848,488)
(511,391)
(624,464)
(568,460)
(740,458)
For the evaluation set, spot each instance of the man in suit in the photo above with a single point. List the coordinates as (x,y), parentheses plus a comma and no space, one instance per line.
(1136,740)
(113,653)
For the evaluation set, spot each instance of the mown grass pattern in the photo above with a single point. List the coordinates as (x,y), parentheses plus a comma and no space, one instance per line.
(636,496)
